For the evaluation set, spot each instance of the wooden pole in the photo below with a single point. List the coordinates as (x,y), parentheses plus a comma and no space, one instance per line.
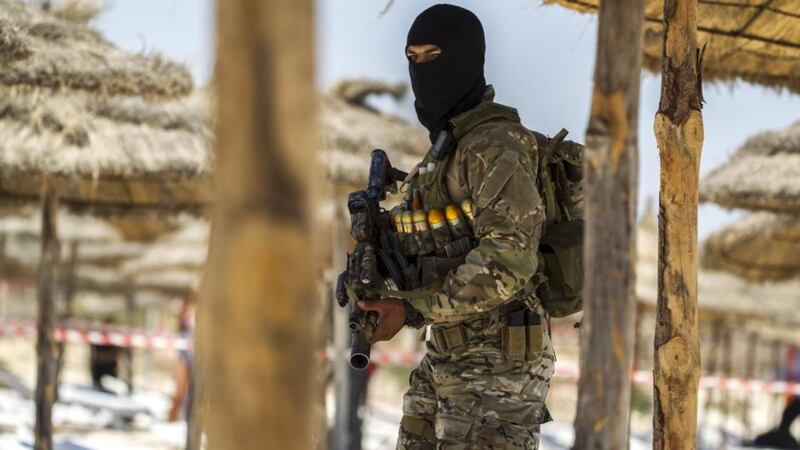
(610,171)
(45,337)
(130,312)
(261,293)
(679,133)
(711,368)
(727,372)
(68,285)
(750,372)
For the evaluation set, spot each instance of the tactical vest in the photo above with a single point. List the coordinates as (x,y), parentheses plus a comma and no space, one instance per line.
(559,281)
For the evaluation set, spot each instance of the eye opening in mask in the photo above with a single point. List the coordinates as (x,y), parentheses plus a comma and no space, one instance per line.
(422,53)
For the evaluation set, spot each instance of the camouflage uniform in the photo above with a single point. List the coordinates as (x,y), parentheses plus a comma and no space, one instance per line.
(471,391)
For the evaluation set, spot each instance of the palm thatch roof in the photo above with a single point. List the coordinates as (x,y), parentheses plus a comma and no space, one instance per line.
(761,247)
(19,263)
(352,129)
(25,224)
(721,295)
(184,250)
(105,156)
(761,175)
(753,40)
(41,49)
(113,131)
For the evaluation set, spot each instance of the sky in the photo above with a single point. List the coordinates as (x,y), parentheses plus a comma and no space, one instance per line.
(539,58)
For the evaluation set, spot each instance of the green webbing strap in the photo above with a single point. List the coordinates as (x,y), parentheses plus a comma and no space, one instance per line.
(484,112)
(546,182)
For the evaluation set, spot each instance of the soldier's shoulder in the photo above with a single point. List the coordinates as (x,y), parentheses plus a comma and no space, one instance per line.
(499,135)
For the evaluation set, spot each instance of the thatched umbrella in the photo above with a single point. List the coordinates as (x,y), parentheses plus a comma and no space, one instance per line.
(720,294)
(752,40)
(351,129)
(761,175)
(48,49)
(62,137)
(183,251)
(760,247)
(104,155)
(110,130)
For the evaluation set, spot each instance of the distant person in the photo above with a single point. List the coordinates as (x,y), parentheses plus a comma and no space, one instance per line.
(183,370)
(781,437)
(104,360)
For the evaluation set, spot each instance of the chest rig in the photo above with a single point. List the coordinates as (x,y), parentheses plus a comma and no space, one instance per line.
(434,229)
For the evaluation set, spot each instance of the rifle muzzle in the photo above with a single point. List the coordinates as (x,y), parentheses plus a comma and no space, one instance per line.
(359,353)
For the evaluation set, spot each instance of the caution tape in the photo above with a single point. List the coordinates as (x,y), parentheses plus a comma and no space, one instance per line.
(102,336)
(644,377)
(164,341)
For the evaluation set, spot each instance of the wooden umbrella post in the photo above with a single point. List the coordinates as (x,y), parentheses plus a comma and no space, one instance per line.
(261,292)
(69,284)
(130,317)
(679,133)
(45,331)
(610,171)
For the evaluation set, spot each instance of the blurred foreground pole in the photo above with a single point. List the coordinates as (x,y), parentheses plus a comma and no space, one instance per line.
(46,350)
(260,294)
(610,171)
(340,437)
(679,133)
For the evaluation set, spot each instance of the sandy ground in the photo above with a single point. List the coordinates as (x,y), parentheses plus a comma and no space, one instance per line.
(78,427)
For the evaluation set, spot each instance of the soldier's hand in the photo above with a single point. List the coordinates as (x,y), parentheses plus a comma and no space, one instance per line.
(391,317)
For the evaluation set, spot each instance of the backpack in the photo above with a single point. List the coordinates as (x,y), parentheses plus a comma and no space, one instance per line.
(561,248)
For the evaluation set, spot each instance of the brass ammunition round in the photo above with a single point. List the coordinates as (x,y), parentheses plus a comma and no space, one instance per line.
(435,219)
(416,200)
(420,222)
(439,230)
(408,222)
(452,213)
(398,222)
(466,207)
(458,226)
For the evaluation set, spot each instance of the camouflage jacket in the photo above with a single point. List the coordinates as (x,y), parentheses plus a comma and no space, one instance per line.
(493,169)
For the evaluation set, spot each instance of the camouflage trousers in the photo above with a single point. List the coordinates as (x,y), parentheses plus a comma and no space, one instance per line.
(474,396)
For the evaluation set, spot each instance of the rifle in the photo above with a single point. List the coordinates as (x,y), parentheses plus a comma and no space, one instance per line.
(377,262)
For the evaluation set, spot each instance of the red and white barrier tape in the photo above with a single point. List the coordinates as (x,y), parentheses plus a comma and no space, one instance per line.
(127,338)
(570,373)
(121,338)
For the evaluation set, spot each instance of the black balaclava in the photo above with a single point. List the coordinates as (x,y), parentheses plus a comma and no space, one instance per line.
(453,82)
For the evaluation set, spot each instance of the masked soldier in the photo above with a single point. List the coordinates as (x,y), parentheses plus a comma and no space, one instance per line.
(484,379)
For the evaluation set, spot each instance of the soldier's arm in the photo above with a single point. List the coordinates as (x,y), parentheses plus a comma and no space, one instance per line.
(508,220)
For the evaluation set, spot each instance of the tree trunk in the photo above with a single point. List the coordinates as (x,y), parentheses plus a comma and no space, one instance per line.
(610,171)
(261,293)
(45,331)
(679,133)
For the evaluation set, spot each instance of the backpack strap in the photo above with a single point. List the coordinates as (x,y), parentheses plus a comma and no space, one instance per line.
(547,185)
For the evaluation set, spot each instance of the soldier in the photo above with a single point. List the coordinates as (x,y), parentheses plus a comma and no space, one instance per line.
(484,379)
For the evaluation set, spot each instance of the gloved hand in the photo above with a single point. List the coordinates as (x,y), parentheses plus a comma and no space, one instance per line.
(391,317)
